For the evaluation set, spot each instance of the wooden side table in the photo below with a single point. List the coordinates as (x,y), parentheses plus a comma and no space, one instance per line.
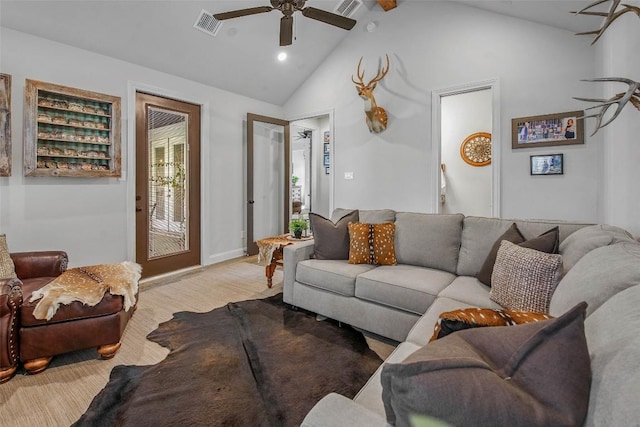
(271,254)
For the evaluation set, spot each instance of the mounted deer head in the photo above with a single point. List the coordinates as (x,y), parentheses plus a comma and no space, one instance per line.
(376,116)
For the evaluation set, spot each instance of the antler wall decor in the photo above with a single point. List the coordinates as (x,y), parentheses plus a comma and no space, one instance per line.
(631,95)
(620,99)
(376,116)
(609,16)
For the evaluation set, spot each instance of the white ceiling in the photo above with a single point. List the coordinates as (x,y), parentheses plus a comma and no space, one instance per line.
(242,57)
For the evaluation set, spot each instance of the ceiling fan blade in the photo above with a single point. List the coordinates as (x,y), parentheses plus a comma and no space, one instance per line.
(286,30)
(329,18)
(242,12)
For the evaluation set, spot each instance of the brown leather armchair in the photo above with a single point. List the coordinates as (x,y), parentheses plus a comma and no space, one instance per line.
(74,326)
(10,301)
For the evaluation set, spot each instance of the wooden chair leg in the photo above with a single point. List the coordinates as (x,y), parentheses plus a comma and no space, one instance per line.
(109,350)
(36,366)
(7,373)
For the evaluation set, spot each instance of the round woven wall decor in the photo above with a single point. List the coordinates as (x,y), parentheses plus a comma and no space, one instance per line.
(476,149)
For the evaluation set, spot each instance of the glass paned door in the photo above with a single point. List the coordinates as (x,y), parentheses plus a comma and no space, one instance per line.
(168,226)
(167,184)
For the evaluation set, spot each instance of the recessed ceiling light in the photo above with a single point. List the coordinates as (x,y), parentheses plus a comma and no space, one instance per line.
(282,56)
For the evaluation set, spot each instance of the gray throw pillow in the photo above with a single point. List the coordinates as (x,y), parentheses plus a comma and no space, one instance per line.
(536,374)
(331,241)
(512,235)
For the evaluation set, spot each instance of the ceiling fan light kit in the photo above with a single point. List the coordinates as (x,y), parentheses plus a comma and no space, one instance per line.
(288,8)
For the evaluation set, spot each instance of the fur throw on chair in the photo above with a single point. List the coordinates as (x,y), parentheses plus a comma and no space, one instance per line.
(88,285)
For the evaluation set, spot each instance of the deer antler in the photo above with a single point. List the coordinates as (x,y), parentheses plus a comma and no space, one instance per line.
(610,16)
(360,76)
(377,78)
(621,99)
(381,73)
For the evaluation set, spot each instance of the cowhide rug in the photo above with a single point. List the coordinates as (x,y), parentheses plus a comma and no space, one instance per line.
(251,363)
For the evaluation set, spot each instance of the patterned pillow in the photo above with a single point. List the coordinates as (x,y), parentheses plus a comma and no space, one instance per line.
(7,269)
(524,279)
(331,241)
(372,243)
(466,318)
(548,242)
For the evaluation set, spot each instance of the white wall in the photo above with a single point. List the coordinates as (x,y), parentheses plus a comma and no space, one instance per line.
(619,49)
(468,188)
(91,218)
(436,45)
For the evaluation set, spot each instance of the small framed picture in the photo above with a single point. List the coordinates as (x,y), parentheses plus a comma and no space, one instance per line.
(327,136)
(326,170)
(547,164)
(326,160)
(326,148)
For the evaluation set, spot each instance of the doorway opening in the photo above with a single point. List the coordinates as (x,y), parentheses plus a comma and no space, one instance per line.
(463,184)
(312,154)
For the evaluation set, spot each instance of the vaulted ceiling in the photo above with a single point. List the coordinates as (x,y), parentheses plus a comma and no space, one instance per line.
(241,58)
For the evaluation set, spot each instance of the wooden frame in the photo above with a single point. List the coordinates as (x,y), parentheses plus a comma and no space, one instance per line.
(5,125)
(70,132)
(548,130)
(546,164)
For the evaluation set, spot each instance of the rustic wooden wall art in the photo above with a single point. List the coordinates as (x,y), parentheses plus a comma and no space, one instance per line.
(70,132)
(5,125)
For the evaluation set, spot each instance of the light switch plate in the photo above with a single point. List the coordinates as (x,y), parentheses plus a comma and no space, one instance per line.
(348,175)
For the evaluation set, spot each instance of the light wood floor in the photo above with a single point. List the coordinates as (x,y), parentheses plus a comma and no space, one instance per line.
(62,393)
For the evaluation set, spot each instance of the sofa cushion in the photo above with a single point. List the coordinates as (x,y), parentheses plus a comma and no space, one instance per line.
(470,291)
(331,240)
(332,275)
(372,243)
(546,242)
(614,345)
(405,287)
(533,374)
(369,216)
(7,268)
(598,276)
(428,240)
(524,279)
(586,239)
(467,318)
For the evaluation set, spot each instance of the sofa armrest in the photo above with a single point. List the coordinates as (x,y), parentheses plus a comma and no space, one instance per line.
(335,410)
(40,263)
(293,254)
(10,302)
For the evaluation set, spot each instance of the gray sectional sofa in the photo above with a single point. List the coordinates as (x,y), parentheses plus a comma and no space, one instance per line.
(439,257)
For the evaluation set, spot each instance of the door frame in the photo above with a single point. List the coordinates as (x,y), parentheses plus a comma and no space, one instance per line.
(129,164)
(252,247)
(436,139)
(332,175)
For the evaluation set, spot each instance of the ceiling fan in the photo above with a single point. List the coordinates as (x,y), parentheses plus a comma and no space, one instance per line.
(288,7)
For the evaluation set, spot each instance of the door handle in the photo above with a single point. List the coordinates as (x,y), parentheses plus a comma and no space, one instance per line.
(251,202)
(138,209)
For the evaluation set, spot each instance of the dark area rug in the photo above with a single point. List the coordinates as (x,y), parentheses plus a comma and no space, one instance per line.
(251,363)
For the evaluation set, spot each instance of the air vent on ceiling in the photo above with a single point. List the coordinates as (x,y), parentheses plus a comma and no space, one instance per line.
(347,7)
(207,23)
